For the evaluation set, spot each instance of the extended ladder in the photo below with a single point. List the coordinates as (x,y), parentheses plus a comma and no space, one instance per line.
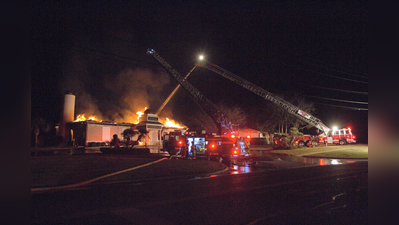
(223,124)
(292,109)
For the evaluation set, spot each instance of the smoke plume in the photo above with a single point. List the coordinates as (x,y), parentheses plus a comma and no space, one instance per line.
(137,88)
(112,96)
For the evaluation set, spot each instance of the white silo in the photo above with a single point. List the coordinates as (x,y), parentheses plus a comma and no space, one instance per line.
(68,114)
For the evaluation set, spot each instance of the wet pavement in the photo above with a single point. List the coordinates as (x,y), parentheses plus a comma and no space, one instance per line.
(329,161)
(273,162)
(307,195)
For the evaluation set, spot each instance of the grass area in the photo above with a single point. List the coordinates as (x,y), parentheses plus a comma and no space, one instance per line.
(354,151)
(344,154)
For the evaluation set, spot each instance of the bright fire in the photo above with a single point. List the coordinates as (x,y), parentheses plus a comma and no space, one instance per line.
(82,117)
(170,123)
(140,113)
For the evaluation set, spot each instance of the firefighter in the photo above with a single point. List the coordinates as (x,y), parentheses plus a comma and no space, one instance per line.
(171,146)
(115,141)
(194,150)
(128,142)
(247,144)
(183,151)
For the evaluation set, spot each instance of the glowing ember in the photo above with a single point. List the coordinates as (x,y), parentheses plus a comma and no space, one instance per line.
(170,123)
(82,117)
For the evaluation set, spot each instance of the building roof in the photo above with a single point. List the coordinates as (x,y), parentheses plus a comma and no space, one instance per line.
(104,123)
(150,122)
(248,130)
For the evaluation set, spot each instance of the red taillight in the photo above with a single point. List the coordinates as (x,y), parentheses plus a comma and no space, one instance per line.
(353,136)
(212,146)
(248,136)
(180,142)
(233,136)
(235,152)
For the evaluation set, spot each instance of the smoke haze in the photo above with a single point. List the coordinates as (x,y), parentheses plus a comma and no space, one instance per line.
(138,88)
(114,95)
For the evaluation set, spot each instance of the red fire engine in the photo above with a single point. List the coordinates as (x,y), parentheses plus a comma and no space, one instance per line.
(219,145)
(308,140)
(340,136)
(213,146)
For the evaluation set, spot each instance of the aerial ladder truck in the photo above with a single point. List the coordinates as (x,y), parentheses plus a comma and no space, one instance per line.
(342,136)
(225,143)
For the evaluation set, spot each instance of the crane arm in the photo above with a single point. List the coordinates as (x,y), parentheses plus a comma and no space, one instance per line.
(307,117)
(223,124)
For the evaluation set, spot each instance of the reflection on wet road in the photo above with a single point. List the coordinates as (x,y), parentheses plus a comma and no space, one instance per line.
(327,161)
(243,166)
(242,169)
(253,165)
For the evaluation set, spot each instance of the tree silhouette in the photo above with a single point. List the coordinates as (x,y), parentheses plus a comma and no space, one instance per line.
(129,133)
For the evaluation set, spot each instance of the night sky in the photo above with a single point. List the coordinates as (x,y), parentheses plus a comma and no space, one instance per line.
(312,49)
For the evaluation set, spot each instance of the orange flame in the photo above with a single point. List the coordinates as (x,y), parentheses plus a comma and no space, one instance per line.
(170,123)
(82,117)
(140,113)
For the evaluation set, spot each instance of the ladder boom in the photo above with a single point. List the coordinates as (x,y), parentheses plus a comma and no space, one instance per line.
(173,93)
(223,124)
(292,109)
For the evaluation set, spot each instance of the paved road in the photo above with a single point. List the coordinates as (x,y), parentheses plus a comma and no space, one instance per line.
(326,194)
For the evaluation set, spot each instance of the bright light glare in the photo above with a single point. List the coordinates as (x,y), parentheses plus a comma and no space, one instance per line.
(335,128)
(201,57)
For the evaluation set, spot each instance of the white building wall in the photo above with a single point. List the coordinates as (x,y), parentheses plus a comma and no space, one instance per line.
(104,132)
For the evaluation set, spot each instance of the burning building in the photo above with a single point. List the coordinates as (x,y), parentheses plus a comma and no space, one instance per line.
(87,131)
(90,133)
(150,122)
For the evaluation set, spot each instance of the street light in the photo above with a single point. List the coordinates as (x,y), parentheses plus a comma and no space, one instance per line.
(201,57)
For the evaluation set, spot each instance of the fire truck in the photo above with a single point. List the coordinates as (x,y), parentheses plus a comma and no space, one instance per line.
(232,145)
(342,136)
(339,136)
(174,142)
(212,146)
(308,140)
(224,144)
